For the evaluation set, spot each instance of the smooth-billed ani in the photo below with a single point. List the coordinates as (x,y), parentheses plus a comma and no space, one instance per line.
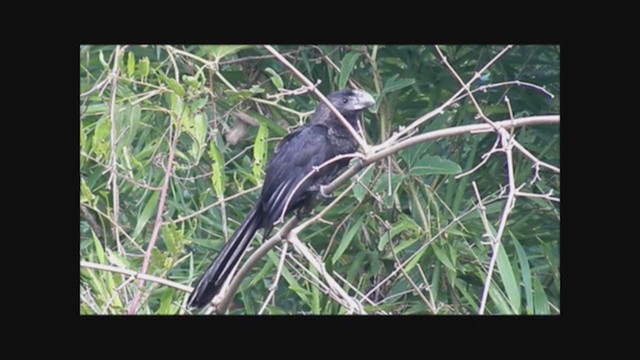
(323,138)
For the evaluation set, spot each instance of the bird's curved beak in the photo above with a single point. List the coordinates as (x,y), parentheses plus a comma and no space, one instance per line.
(363,99)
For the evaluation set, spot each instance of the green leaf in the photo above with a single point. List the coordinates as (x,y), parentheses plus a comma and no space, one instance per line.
(382,185)
(443,257)
(113,293)
(166,302)
(99,249)
(118,260)
(147,212)
(346,239)
(131,63)
(348,63)
(199,104)
(96,109)
(394,84)
(158,260)
(83,144)
(196,127)
(275,78)
(274,310)
(264,271)
(247,302)
(405,244)
(220,51)
(173,85)
(315,295)
(540,301)
(498,299)
(102,60)
(434,165)
(462,287)
(217,167)
(169,238)
(359,188)
(143,66)
(260,152)
(404,223)
(127,123)
(121,63)
(85,193)
(242,94)
(356,266)
(178,110)
(275,128)
(192,81)
(511,286)
(100,142)
(526,274)
(415,260)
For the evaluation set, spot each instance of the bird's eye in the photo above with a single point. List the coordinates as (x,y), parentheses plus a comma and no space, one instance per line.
(345,100)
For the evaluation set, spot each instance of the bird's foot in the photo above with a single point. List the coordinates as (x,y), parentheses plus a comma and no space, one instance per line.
(324,196)
(303,212)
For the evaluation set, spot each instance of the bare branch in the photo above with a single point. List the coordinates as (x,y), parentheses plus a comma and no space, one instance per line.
(136,275)
(274,285)
(158,222)
(541,196)
(343,298)
(113,178)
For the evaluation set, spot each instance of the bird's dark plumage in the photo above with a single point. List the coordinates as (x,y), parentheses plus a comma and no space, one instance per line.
(323,138)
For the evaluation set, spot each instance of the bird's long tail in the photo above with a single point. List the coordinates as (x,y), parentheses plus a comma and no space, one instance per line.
(214,277)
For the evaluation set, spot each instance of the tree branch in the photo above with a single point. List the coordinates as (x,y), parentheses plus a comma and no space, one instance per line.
(158,222)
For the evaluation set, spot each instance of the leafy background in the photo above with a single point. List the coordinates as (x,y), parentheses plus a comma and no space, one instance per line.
(227,106)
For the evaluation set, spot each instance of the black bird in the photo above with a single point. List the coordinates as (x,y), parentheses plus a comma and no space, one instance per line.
(323,138)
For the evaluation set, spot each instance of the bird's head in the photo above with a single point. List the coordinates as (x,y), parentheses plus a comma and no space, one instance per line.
(350,103)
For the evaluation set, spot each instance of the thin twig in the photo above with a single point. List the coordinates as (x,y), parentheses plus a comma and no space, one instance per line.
(483,211)
(508,206)
(541,196)
(113,178)
(160,211)
(484,157)
(427,287)
(535,160)
(274,285)
(136,275)
(91,220)
(484,88)
(345,300)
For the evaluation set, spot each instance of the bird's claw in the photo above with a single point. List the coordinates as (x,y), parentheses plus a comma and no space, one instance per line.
(323,194)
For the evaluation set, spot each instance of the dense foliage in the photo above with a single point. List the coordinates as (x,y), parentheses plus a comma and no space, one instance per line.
(217,113)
